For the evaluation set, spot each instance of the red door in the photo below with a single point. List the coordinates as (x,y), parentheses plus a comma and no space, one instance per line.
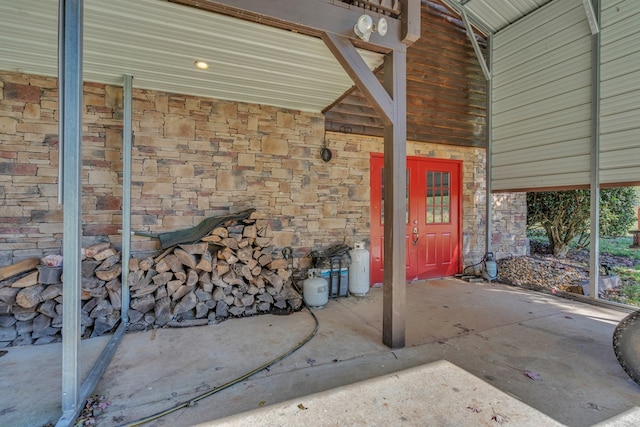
(432,220)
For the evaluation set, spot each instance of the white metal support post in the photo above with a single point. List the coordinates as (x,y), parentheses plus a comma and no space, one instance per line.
(489,151)
(594,259)
(70,55)
(127,136)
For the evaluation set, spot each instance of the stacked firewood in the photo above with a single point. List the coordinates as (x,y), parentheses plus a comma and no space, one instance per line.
(234,271)
(31,298)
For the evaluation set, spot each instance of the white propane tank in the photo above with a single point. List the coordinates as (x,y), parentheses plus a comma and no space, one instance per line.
(359,270)
(315,290)
(490,270)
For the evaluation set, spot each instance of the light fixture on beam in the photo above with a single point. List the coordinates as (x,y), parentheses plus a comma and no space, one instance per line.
(365,26)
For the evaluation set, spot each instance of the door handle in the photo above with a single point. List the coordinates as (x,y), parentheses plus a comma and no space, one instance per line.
(415,236)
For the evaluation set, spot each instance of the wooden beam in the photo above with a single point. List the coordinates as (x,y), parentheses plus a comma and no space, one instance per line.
(367,82)
(395,183)
(411,17)
(309,17)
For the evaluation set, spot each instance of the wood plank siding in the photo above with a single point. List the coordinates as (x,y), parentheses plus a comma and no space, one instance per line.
(446,90)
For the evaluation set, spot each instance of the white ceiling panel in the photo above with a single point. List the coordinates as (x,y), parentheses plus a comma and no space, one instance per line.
(495,15)
(157,42)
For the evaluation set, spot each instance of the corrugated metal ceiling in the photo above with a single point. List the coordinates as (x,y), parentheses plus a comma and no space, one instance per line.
(495,15)
(157,42)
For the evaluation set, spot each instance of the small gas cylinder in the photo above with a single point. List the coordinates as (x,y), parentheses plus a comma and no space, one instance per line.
(490,270)
(315,290)
(359,270)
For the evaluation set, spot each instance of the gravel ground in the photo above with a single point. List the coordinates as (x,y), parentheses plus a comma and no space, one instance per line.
(543,270)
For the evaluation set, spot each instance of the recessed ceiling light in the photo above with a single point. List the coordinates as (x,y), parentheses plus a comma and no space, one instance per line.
(201,65)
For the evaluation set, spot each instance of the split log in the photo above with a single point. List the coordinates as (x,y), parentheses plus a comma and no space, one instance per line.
(135,277)
(162,278)
(162,311)
(255,271)
(90,282)
(230,242)
(245,242)
(89,266)
(185,257)
(220,232)
(161,292)
(236,311)
(134,264)
(232,279)
(188,302)
(219,294)
(143,304)
(109,262)
(146,264)
(181,275)
(29,297)
(26,281)
(102,255)
(212,239)
(196,248)
(51,292)
(222,310)
(162,266)
(18,268)
(205,281)
(110,273)
(92,251)
(203,295)
(192,277)
(266,297)
(173,286)
(103,309)
(181,292)
(222,267)
(174,263)
(206,262)
(48,308)
(244,271)
(149,289)
(229,256)
(8,294)
(245,254)
(201,310)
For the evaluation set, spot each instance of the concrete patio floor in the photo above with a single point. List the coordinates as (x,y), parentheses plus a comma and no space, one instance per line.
(496,332)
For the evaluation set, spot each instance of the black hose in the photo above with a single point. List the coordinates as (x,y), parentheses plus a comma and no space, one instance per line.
(215,390)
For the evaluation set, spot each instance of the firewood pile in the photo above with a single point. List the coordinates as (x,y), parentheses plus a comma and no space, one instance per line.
(233,271)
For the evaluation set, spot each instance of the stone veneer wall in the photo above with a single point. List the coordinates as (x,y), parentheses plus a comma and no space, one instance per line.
(194,158)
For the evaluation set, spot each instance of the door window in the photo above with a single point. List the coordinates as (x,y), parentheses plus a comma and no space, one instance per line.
(438,201)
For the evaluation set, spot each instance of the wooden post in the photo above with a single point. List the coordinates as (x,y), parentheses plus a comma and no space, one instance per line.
(395,204)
